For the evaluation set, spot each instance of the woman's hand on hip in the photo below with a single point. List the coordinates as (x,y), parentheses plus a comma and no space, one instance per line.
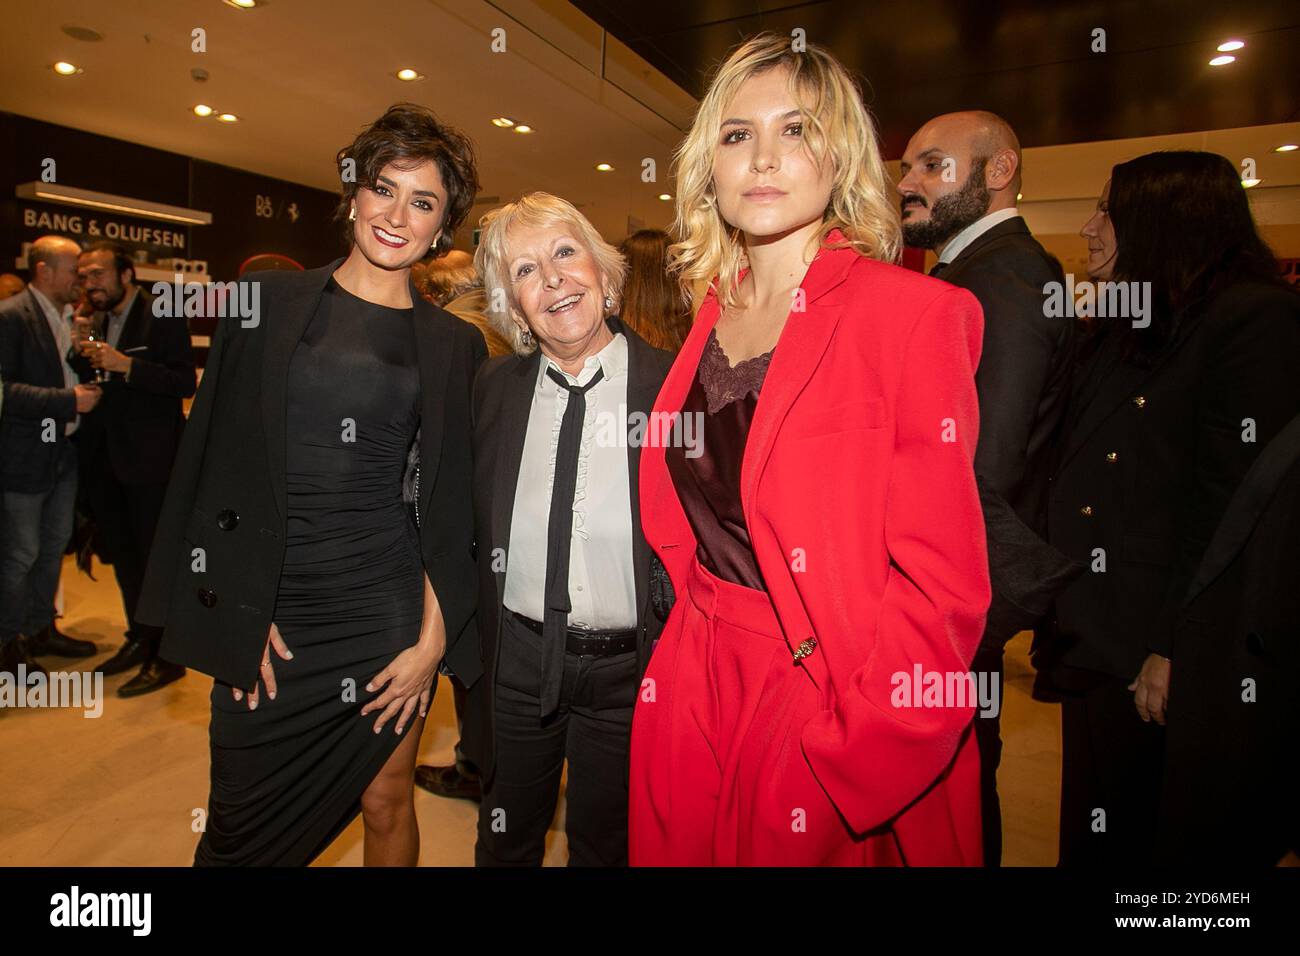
(410,678)
(267,674)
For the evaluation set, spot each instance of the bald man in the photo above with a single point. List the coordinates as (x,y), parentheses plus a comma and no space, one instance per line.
(961,176)
(38,463)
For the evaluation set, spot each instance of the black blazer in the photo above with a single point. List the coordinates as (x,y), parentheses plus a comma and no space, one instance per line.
(1148,464)
(139,422)
(1023,377)
(33,391)
(1023,383)
(227,491)
(1238,621)
(503,393)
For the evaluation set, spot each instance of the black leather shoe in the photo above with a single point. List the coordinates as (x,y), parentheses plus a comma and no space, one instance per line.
(155,674)
(51,640)
(448,782)
(16,652)
(131,654)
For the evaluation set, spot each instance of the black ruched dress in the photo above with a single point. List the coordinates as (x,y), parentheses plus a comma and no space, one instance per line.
(287,778)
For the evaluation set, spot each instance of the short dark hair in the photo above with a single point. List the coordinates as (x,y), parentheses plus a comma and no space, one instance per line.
(121,260)
(411,134)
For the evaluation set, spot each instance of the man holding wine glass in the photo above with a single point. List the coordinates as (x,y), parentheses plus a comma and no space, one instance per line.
(144,364)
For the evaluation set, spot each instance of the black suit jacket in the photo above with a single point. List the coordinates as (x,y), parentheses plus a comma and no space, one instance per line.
(1023,383)
(227,491)
(1228,751)
(33,392)
(138,422)
(1148,465)
(503,395)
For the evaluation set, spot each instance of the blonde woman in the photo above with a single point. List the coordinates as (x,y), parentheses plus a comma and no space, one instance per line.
(564,571)
(827,548)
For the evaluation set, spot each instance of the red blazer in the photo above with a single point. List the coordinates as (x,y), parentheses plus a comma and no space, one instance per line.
(859,494)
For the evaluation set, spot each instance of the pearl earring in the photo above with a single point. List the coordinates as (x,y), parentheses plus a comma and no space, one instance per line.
(352,214)
(609,302)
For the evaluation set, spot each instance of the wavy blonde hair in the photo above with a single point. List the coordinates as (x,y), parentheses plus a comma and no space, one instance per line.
(836,125)
(492,257)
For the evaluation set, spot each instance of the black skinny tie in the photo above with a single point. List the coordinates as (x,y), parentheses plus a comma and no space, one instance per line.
(559,538)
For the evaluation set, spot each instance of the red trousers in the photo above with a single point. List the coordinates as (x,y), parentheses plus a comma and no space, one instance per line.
(718,777)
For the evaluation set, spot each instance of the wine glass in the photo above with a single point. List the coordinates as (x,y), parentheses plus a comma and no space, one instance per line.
(95,334)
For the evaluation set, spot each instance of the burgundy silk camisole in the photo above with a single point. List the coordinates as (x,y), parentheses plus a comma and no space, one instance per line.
(724,397)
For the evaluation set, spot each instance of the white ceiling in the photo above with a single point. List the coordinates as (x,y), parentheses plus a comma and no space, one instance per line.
(305,75)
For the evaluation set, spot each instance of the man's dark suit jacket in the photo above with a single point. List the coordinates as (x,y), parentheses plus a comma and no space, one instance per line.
(227,490)
(33,392)
(1023,382)
(503,394)
(139,421)
(1229,753)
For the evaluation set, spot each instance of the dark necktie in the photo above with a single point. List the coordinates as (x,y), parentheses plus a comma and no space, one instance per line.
(559,538)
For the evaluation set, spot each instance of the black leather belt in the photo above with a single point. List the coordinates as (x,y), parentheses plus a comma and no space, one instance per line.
(588,643)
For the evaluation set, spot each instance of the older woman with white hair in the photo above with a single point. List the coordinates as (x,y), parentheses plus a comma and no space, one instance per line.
(565,614)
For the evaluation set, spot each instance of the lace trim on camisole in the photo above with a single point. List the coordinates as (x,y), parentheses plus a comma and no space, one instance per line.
(723,383)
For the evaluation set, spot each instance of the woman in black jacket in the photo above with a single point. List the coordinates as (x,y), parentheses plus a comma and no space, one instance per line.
(286,535)
(566,600)
(1168,412)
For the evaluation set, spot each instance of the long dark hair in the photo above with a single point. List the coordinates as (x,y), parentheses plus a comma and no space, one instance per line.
(652,302)
(1183,223)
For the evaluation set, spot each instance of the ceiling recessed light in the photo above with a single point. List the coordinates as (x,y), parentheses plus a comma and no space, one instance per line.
(604,168)
(64,68)
(1227,46)
(665,196)
(202,109)
(241,4)
(1223,60)
(1287,148)
(228,118)
(1251,183)
(408,74)
(503,122)
(522,128)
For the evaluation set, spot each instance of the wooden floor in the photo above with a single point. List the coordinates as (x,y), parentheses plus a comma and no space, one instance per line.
(122,789)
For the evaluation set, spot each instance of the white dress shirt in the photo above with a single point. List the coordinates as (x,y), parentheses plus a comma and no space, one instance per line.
(974,231)
(602,584)
(61,329)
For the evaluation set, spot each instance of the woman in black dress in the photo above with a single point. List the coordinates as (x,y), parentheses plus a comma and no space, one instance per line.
(348,374)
